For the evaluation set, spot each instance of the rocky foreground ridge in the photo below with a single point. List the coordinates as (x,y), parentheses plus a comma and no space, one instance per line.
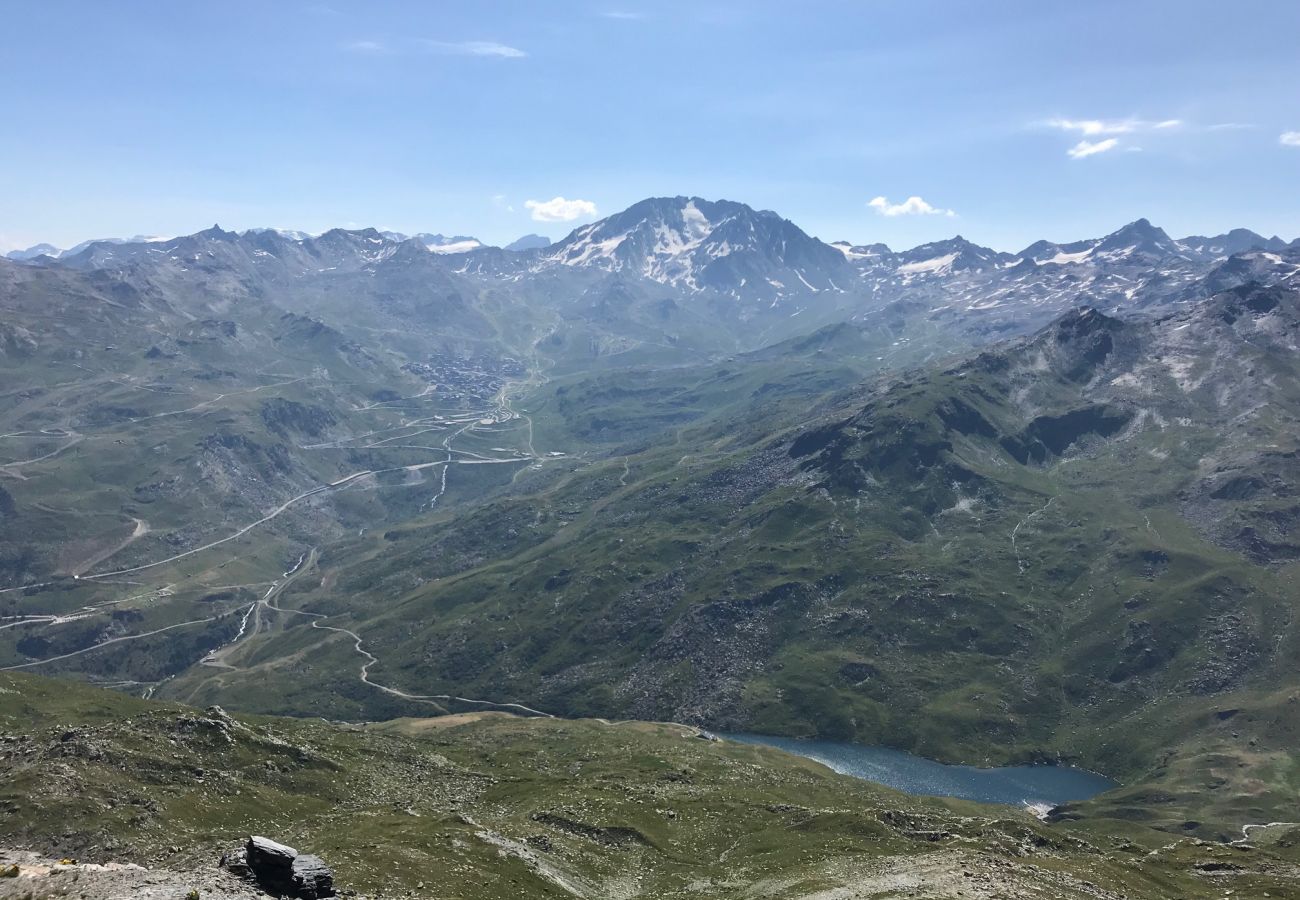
(147,796)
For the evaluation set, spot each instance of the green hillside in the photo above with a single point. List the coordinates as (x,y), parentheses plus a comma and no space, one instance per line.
(1016,556)
(499,807)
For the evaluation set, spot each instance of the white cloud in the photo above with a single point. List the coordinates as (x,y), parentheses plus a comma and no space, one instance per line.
(1092,148)
(476,48)
(1290,138)
(912,206)
(1092,126)
(560,210)
(501,201)
(1106,129)
(1098,127)
(624,15)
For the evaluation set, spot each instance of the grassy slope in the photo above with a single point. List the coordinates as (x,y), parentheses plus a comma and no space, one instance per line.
(701,576)
(498,807)
(641,564)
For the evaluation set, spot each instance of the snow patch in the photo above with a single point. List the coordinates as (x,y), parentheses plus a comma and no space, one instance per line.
(937,266)
(455,246)
(1067,259)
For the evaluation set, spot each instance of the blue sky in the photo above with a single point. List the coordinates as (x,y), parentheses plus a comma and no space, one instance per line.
(134,117)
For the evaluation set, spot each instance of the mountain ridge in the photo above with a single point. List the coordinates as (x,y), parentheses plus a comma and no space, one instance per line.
(1234,241)
(757,275)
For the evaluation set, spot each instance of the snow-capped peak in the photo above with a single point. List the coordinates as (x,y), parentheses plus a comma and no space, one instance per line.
(702,244)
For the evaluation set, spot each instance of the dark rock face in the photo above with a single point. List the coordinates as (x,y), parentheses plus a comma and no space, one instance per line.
(282,415)
(312,877)
(1048,436)
(612,836)
(272,864)
(1248,504)
(280,870)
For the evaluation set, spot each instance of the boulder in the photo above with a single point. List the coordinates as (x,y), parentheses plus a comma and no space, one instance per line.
(279,869)
(272,865)
(312,877)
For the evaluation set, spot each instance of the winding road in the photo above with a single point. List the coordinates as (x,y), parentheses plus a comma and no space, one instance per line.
(496,412)
(219,658)
(102,644)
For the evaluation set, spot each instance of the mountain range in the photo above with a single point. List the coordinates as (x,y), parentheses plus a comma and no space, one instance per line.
(755,267)
(969,256)
(686,464)
(435,243)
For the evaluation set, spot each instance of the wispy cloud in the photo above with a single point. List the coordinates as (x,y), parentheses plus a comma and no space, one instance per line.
(559,209)
(500,201)
(623,15)
(476,48)
(912,206)
(1087,148)
(1289,139)
(1097,127)
(1107,130)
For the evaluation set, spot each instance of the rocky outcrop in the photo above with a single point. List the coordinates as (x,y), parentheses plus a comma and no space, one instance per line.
(27,874)
(1049,436)
(279,869)
(282,416)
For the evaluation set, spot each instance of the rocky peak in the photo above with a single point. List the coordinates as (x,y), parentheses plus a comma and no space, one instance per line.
(1080,342)
(1042,252)
(1238,240)
(34,251)
(955,254)
(343,234)
(215,233)
(529,242)
(1139,237)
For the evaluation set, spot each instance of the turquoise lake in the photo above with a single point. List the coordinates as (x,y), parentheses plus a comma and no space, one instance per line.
(1016,785)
